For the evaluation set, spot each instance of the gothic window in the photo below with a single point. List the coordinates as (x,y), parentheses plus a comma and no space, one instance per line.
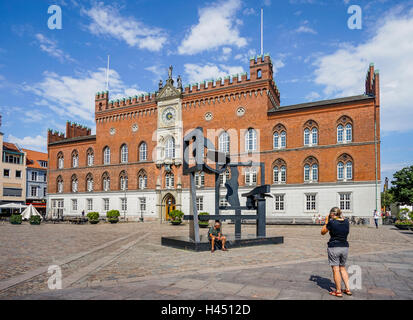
(60,160)
(59,184)
(310,133)
(75,159)
(89,182)
(124,153)
(311,169)
(106,155)
(170,148)
(90,157)
(344,130)
(143,152)
(251,176)
(344,168)
(251,140)
(279,137)
(105,182)
(142,180)
(123,181)
(75,183)
(279,171)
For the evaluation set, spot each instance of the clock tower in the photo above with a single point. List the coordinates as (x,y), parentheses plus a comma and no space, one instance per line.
(169,145)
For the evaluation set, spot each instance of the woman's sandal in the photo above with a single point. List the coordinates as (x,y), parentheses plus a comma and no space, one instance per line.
(336,294)
(347,292)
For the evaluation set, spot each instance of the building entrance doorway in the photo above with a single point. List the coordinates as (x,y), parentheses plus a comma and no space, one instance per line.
(169,206)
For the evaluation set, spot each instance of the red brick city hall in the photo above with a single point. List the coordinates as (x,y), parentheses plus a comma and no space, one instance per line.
(317,155)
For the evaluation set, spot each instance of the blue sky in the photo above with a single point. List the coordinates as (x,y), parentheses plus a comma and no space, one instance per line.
(50,76)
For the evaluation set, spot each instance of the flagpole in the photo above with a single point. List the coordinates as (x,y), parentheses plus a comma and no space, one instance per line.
(107,76)
(262,31)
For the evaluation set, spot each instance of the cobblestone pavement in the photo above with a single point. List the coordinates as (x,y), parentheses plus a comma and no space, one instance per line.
(138,267)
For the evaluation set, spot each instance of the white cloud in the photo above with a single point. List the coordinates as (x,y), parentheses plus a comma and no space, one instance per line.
(37,143)
(249,11)
(198,73)
(217,26)
(106,20)
(277,64)
(343,72)
(50,47)
(74,96)
(305,29)
(312,96)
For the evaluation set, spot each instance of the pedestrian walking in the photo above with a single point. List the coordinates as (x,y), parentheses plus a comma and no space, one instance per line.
(376,217)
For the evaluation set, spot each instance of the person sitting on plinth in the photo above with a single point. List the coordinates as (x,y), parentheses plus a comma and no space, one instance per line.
(216,237)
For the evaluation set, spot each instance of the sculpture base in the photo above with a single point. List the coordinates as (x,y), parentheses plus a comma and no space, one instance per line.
(186,243)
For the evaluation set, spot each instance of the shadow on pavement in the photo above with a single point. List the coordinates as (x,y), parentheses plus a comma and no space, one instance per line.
(322,282)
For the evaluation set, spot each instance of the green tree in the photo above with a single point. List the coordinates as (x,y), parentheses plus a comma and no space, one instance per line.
(387,198)
(402,188)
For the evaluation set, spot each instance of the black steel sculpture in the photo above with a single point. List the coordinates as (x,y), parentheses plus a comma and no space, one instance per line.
(194,146)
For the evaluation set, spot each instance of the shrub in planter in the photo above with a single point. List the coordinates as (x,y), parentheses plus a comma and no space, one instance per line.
(403,224)
(176,216)
(113,216)
(35,220)
(93,217)
(16,219)
(203,223)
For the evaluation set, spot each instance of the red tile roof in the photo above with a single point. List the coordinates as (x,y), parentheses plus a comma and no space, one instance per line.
(11,146)
(33,157)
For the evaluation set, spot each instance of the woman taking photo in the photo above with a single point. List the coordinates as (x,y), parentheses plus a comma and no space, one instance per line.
(337,249)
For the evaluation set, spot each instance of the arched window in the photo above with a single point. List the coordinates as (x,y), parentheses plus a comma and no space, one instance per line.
(344,167)
(75,184)
(223,142)
(89,182)
(59,184)
(75,159)
(124,153)
(279,171)
(199,179)
(279,136)
(310,169)
(90,157)
(60,160)
(344,129)
(106,155)
(142,180)
(250,176)
(259,73)
(310,133)
(283,139)
(169,180)
(143,152)
(123,181)
(251,140)
(105,182)
(170,148)
(340,133)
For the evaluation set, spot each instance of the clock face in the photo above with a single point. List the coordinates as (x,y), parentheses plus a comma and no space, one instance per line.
(168,116)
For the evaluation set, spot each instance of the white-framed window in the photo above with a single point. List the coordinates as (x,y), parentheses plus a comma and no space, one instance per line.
(106,204)
(143,181)
(75,160)
(311,202)
(223,178)
(340,133)
(74,204)
(59,186)
(89,204)
(106,155)
(143,152)
(251,140)
(142,204)
(106,183)
(224,142)
(60,162)
(279,140)
(279,204)
(74,185)
(124,204)
(90,159)
(345,201)
(345,171)
(349,132)
(199,179)
(200,204)
(89,184)
(311,173)
(170,148)
(34,176)
(310,136)
(223,202)
(169,180)
(251,176)
(123,182)
(124,154)
(279,174)
(33,191)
